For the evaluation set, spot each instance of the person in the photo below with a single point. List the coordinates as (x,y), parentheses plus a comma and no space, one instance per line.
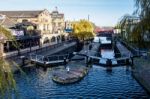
(68,69)
(65,61)
(90,46)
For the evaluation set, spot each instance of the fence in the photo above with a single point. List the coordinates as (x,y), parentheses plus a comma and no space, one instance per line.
(36,49)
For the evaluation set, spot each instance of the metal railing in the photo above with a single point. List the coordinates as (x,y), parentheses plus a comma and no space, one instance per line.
(36,49)
(47,59)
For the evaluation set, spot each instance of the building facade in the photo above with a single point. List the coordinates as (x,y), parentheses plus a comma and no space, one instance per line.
(49,25)
(58,22)
(58,25)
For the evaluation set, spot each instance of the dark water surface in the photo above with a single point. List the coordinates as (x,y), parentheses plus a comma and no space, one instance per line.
(98,84)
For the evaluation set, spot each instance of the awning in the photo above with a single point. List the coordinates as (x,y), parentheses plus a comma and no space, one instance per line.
(69,30)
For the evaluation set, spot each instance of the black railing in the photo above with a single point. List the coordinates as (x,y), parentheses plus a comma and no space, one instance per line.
(39,50)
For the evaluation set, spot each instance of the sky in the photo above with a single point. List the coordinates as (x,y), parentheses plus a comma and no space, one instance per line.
(101,12)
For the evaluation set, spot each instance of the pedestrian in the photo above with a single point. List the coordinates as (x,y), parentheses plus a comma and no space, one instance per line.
(68,69)
(90,46)
(65,61)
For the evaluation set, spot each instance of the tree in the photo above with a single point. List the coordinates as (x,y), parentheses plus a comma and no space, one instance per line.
(83,30)
(7,82)
(125,26)
(143,10)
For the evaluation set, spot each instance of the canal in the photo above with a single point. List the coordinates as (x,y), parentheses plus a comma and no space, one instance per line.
(99,83)
(36,83)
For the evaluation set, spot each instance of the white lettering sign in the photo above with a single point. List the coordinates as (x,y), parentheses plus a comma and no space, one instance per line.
(17,33)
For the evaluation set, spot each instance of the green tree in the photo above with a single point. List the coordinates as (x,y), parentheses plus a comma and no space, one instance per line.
(83,30)
(125,26)
(143,10)
(7,82)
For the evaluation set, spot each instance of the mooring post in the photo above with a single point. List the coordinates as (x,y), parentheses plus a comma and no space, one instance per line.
(23,60)
(65,61)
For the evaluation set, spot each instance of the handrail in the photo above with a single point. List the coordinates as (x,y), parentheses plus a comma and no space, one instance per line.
(48,58)
(113,59)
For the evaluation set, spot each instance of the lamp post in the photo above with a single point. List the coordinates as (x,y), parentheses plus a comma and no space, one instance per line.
(1,46)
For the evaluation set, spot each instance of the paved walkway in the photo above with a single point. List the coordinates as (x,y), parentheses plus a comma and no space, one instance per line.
(142,71)
(123,50)
(58,49)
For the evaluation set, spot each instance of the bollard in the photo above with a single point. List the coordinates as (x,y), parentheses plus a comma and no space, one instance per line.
(65,61)
(23,60)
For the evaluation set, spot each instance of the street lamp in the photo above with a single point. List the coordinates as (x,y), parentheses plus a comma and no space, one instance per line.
(1,45)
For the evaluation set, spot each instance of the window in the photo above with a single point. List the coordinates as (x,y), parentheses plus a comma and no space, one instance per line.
(44,27)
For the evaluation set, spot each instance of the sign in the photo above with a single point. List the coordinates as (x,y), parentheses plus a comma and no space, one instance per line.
(69,30)
(17,33)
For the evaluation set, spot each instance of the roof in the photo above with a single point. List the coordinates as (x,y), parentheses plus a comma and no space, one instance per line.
(26,23)
(17,14)
(56,14)
(7,22)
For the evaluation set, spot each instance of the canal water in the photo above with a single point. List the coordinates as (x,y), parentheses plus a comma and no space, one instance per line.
(98,84)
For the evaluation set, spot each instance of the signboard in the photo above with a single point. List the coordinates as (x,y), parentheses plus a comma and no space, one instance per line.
(17,33)
(69,30)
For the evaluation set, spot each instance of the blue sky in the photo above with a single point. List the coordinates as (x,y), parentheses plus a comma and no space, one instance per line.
(101,12)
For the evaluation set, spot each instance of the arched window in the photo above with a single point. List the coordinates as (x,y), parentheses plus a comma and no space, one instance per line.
(46,40)
(53,39)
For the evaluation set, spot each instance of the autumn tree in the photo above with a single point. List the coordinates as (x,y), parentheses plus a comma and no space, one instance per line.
(83,30)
